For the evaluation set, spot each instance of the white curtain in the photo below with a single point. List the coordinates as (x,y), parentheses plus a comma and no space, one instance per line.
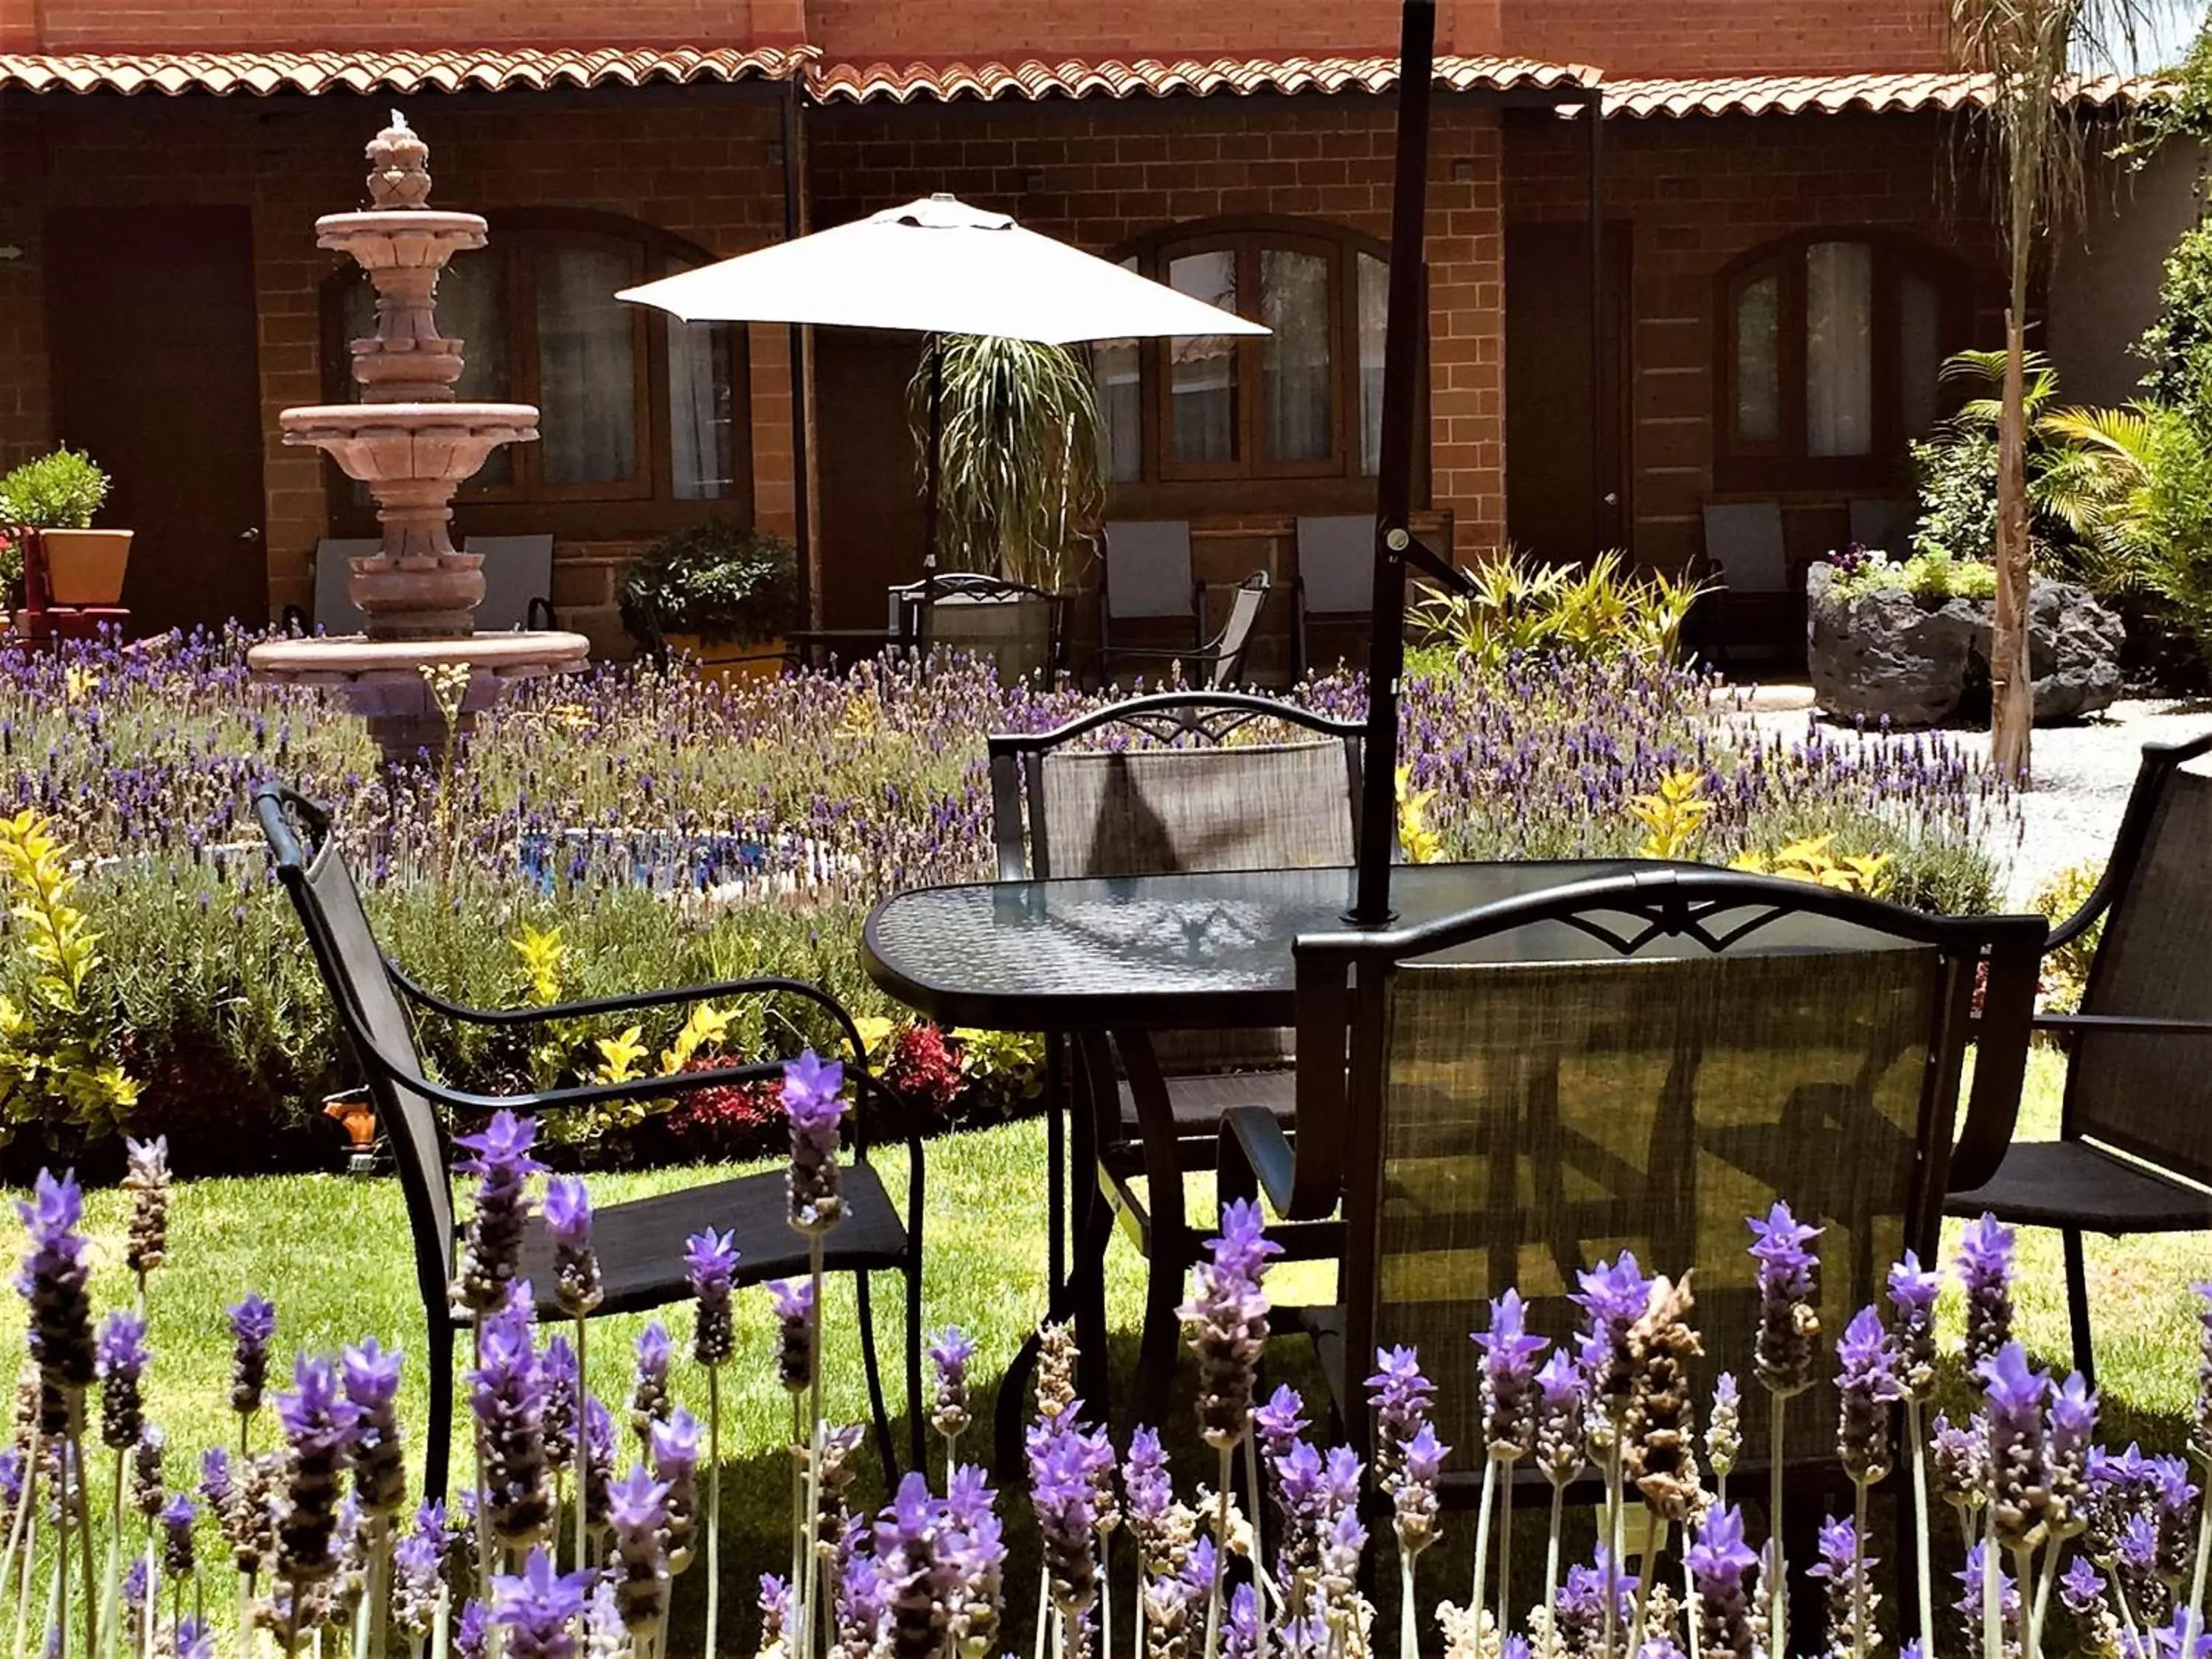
(586,367)
(1294,365)
(1374,324)
(701,400)
(1202,368)
(1758,360)
(1838,349)
(1920,351)
(1117,367)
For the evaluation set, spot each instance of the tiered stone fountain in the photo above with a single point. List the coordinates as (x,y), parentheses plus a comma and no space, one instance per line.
(412,444)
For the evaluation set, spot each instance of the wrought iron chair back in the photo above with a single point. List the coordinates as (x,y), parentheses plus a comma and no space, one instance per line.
(1658,1056)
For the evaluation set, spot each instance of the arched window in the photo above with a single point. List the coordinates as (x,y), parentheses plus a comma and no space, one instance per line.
(642,418)
(1304,401)
(1831,343)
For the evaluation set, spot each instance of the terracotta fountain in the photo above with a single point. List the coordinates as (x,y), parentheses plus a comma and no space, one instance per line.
(412,443)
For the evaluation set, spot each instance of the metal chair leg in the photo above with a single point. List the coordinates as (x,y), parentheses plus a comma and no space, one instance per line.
(874,1370)
(2078,1306)
(435,1470)
(918,1430)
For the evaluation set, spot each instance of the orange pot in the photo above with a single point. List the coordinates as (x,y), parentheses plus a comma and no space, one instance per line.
(86,567)
(732,664)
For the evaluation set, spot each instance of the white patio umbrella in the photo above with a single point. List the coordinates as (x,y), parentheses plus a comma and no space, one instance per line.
(938,266)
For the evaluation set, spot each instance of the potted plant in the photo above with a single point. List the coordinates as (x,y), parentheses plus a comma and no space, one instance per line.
(722,595)
(56,496)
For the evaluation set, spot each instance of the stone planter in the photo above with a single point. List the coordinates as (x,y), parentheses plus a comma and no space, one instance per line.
(1915,660)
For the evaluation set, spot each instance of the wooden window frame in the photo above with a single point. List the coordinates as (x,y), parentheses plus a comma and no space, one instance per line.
(1254,481)
(606,510)
(1741,466)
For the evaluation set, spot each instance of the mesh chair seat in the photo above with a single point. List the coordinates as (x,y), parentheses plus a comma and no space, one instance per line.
(1200,1101)
(641,1244)
(2071,1183)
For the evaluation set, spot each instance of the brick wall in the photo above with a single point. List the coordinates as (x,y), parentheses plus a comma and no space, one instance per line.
(701,169)
(1700,192)
(1728,37)
(1101,175)
(330,25)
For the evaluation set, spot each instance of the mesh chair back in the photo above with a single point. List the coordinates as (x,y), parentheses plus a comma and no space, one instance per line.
(1154,811)
(1744,539)
(1336,565)
(1013,629)
(517,569)
(1148,567)
(2140,1092)
(1537,1118)
(1235,637)
(335,610)
(352,968)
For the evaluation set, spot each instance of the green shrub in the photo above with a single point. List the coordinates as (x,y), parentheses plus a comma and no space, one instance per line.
(60,491)
(1598,612)
(1957,479)
(1929,576)
(724,584)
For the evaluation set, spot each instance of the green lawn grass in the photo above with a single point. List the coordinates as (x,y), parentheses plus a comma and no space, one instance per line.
(332,1252)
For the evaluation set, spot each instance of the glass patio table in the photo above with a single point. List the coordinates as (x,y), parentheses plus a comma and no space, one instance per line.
(1118,958)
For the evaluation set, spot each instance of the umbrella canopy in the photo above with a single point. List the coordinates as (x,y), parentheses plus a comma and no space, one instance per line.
(939,266)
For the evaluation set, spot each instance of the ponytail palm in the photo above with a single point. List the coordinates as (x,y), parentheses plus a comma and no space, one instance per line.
(1018,484)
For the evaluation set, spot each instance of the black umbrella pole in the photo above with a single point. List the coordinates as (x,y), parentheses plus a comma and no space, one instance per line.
(1394,491)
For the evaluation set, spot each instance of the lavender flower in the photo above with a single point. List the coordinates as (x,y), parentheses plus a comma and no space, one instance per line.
(557,1366)
(1787,1351)
(178,1515)
(649,1401)
(2080,1587)
(53,1281)
(371,1377)
(1578,1607)
(1611,1297)
(539,1608)
(1661,1456)
(506,1391)
(1972,1578)
(712,1258)
(1724,1425)
(195,1639)
(1230,1309)
(252,1322)
(637,1509)
(217,1490)
(1150,1493)
(1279,1422)
(1851,1598)
(774,1604)
(1561,1402)
(813,1100)
(1063,1492)
(1959,1456)
(676,1466)
(1866,1386)
(146,1178)
(2019,1464)
(472,1630)
(1509,1379)
(491,1246)
(795,1313)
(974,1551)
(1986,1268)
(120,1360)
(918,1579)
(1240,1631)
(599,1459)
(418,1570)
(576,1266)
(2069,1423)
(948,1358)
(1912,1294)
(1400,1397)
(318,1421)
(1421,1460)
(1720,1564)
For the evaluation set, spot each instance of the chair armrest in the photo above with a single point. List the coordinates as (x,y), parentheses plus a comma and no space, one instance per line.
(2123,1024)
(428,999)
(1252,1134)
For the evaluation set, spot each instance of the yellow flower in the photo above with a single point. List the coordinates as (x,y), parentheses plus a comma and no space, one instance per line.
(619,1055)
(1422,844)
(705,1028)
(543,956)
(77,680)
(875,1032)
(1674,817)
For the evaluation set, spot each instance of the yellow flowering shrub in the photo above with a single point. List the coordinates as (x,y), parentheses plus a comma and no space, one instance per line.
(1673,816)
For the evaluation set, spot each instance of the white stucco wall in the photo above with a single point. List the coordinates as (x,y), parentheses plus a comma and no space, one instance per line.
(2103,292)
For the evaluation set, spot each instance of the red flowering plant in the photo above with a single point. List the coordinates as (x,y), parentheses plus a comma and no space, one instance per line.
(727,1121)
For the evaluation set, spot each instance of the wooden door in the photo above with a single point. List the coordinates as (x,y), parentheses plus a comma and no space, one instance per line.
(1557,505)
(869,536)
(150,332)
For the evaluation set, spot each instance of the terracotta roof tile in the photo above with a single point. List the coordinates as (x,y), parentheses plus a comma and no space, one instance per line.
(1831,95)
(260,73)
(1034,79)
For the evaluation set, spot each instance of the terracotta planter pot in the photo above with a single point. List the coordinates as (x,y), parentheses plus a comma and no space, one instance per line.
(86,567)
(732,664)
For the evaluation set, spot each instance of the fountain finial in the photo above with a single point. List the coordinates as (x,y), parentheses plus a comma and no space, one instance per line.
(398,166)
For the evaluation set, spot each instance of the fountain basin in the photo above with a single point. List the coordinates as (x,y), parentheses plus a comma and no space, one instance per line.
(410,442)
(400,238)
(382,681)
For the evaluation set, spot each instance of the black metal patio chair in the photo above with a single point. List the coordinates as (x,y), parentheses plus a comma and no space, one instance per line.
(639,1243)
(1336,576)
(1216,664)
(1021,630)
(1197,781)
(1499,1099)
(2134,1152)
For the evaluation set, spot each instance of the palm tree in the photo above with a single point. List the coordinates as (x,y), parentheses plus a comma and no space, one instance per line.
(2028,50)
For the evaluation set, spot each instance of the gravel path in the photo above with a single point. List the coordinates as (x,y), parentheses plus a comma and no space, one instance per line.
(2082,776)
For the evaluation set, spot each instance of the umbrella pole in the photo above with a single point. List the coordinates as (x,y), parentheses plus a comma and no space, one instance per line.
(935,459)
(1393,496)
